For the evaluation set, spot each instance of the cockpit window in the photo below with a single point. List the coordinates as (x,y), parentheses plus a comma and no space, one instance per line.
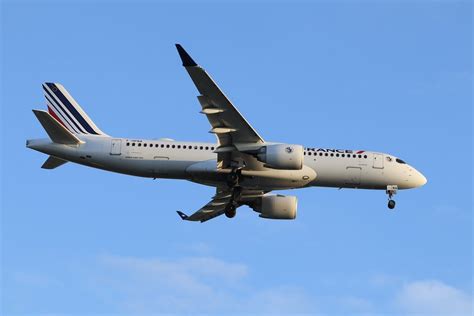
(400,161)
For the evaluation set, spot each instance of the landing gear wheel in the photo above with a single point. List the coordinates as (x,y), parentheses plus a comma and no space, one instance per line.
(230,213)
(391,191)
(391,204)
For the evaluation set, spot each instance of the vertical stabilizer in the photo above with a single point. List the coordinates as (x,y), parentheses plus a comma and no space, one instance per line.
(65,110)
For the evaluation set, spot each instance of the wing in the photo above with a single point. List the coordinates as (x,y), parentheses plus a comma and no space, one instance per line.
(226,121)
(224,199)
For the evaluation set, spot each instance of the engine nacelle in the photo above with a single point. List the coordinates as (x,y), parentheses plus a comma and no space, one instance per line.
(277,206)
(282,156)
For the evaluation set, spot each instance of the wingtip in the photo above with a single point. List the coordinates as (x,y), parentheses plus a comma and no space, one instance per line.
(185,58)
(182,215)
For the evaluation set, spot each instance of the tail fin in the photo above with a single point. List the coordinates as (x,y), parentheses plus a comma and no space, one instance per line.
(63,107)
(57,132)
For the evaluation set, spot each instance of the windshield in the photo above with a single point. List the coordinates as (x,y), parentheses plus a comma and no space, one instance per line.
(399,160)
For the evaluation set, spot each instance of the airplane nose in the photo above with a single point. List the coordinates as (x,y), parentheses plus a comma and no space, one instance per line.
(419,179)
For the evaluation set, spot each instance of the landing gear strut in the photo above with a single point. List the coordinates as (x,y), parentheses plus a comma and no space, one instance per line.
(391,191)
(234,177)
(233,182)
(231,208)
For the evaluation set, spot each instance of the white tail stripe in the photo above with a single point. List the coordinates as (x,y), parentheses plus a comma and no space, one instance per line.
(61,107)
(64,118)
(78,108)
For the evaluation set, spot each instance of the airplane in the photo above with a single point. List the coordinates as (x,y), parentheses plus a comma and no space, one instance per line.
(242,166)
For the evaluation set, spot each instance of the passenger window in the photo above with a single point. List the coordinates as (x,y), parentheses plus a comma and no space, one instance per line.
(337,155)
(353,156)
(139,144)
(172,146)
(365,156)
(207,148)
(342,155)
(212,148)
(128,144)
(133,144)
(326,154)
(168,146)
(332,155)
(360,156)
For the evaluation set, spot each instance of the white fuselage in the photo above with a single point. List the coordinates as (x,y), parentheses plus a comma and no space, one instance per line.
(197,162)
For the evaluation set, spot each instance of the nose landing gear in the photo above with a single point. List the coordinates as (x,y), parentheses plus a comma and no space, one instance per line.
(391,204)
(391,191)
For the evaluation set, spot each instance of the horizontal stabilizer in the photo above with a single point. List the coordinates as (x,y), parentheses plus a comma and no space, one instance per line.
(53,162)
(57,132)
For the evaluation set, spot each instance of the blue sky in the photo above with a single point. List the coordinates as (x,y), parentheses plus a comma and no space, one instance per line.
(393,77)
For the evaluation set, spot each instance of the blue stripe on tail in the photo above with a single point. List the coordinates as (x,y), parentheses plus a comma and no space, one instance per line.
(56,105)
(71,108)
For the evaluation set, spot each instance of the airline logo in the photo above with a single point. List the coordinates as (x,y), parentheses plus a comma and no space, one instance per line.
(340,151)
(66,111)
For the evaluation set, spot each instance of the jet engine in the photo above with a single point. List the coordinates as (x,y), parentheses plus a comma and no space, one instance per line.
(276,206)
(282,156)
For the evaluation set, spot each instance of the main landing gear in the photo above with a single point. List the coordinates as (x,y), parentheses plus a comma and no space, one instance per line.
(233,178)
(233,182)
(231,211)
(391,191)
(231,208)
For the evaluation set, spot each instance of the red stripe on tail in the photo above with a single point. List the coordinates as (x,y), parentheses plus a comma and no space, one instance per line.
(55,116)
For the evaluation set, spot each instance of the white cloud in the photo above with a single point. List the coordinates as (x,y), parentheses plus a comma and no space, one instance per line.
(431,297)
(192,285)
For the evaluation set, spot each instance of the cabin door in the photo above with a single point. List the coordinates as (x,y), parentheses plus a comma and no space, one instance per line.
(378,161)
(116,147)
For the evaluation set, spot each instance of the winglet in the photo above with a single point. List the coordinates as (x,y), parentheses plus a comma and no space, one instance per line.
(185,58)
(182,215)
